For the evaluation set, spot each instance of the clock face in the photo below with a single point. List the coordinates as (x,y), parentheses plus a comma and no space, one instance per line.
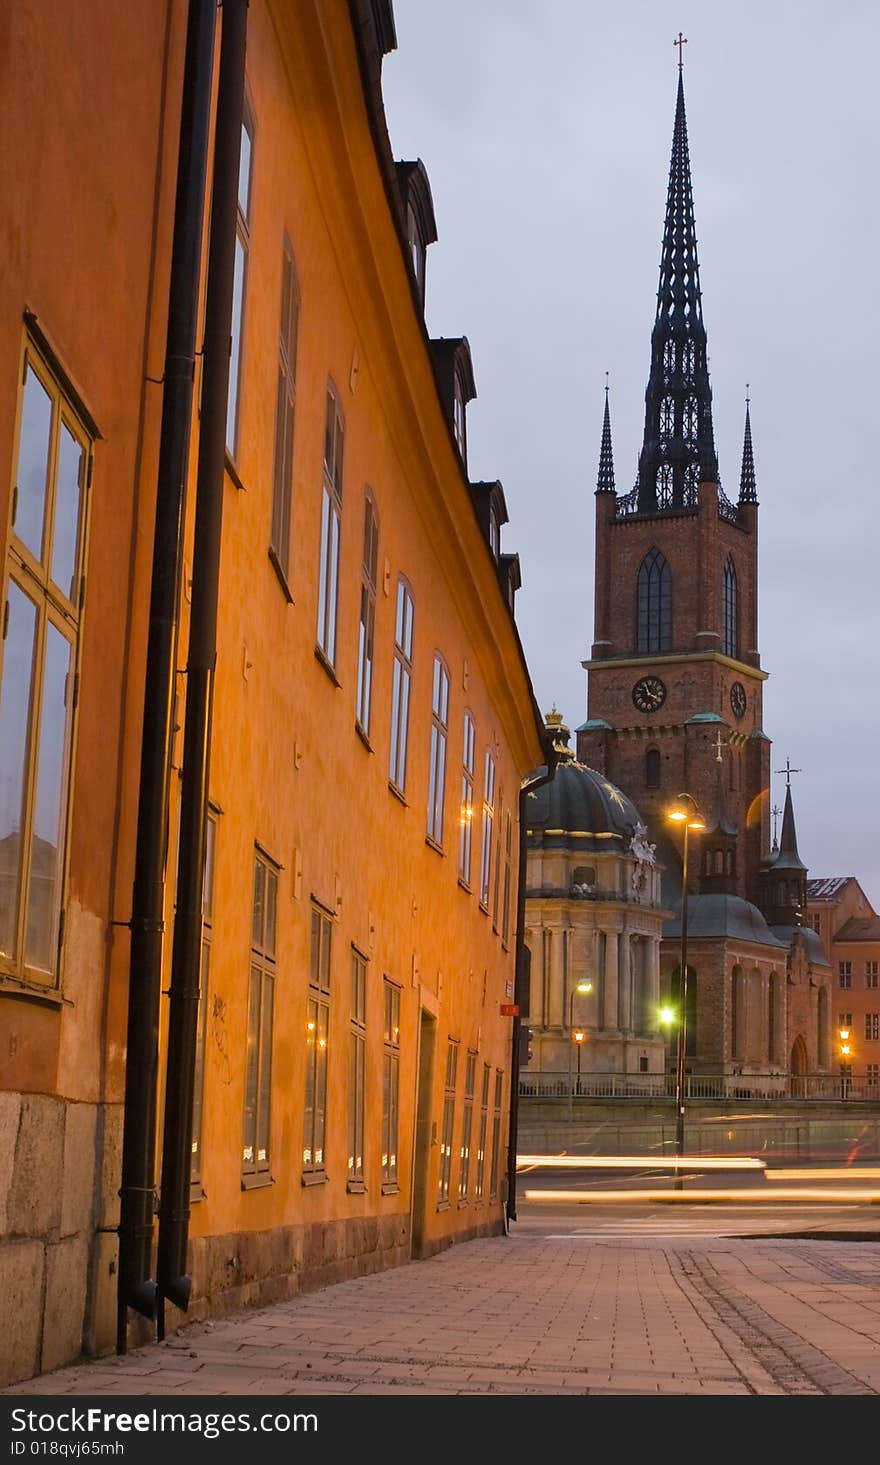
(648,694)
(738,699)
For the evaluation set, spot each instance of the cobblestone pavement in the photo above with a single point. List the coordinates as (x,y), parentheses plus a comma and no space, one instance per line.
(531,1314)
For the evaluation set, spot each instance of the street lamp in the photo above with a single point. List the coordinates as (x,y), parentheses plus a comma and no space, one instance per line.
(577,1037)
(845,1060)
(686,813)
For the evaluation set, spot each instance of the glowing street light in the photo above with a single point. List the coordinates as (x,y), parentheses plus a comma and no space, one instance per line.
(578,1037)
(686,813)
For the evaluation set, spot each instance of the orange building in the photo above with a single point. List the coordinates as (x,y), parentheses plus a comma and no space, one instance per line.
(371,718)
(839,910)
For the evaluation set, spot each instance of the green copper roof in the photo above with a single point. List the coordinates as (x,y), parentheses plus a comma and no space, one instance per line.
(705,717)
(593,724)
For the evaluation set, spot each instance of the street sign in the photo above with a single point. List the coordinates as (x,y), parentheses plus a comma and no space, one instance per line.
(510,1009)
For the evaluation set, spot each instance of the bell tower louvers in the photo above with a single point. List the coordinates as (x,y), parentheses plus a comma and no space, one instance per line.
(675,679)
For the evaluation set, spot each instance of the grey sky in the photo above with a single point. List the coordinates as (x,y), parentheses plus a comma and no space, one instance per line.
(546,132)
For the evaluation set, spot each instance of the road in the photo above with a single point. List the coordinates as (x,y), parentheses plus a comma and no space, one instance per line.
(782,1200)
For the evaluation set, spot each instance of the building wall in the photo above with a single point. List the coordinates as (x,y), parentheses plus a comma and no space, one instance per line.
(855,981)
(86,170)
(609,936)
(291,777)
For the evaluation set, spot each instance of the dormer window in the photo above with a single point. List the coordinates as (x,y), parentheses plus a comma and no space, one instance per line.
(455,381)
(418,218)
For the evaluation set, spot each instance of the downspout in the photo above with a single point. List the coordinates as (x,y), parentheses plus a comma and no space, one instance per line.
(135,1287)
(520,992)
(171,1275)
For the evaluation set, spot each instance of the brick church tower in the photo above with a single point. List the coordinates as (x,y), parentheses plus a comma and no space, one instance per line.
(675,680)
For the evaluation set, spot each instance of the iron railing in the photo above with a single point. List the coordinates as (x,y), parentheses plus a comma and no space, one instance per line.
(698,1086)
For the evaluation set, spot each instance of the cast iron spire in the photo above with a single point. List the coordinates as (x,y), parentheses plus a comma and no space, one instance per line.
(748,493)
(605,482)
(679,447)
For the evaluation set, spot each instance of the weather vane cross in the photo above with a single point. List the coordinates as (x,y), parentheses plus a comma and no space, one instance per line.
(680,43)
(788,771)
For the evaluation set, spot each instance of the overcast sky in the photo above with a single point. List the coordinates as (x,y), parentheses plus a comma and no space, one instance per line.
(546,131)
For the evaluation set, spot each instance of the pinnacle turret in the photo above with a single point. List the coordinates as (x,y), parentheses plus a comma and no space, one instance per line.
(748,493)
(605,482)
(788,856)
(678,451)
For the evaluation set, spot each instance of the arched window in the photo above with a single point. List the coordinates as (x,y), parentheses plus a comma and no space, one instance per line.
(652,768)
(654,618)
(730,639)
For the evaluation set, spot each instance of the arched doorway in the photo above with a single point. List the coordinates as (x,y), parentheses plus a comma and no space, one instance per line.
(798,1068)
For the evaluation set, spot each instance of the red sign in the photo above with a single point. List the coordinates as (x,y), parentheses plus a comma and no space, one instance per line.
(510,1009)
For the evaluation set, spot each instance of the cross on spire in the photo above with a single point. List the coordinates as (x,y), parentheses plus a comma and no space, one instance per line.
(680,43)
(718,746)
(788,771)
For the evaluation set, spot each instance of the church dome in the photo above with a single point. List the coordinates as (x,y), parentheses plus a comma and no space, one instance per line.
(580,810)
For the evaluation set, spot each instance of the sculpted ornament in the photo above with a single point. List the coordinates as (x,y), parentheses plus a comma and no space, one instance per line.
(646,855)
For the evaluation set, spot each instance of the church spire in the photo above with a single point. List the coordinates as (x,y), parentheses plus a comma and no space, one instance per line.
(605,482)
(748,493)
(679,448)
(788,851)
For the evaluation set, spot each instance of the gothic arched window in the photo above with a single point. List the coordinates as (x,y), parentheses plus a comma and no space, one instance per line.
(652,768)
(654,614)
(730,639)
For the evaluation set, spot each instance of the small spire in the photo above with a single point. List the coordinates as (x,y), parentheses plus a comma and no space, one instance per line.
(747,489)
(788,850)
(605,482)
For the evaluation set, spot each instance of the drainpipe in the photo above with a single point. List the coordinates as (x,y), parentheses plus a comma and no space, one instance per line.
(135,1287)
(520,989)
(172,1279)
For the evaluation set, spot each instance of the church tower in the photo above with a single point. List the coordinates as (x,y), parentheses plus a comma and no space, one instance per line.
(674,679)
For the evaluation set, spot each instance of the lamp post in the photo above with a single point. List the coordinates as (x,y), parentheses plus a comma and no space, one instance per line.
(685,813)
(845,1061)
(580,990)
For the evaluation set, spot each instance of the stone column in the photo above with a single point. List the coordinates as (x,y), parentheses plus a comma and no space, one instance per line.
(612,1021)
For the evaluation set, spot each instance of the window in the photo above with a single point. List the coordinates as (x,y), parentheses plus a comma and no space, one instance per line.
(496,887)
(331,519)
(448,1120)
(494,532)
(872,1026)
(488,828)
(872,1075)
(844,974)
(871,974)
(652,768)
(40,625)
(439,734)
(496,1136)
(844,1019)
(467,1119)
(367,625)
(402,678)
(390,1085)
(195,1169)
(654,613)
(479,1177)
(317,1024)
(258,1072)
(458,417)
(284,412)
(357,1049)
(466,814)
(730,639)
(417,250)
(816,923)
(239,280)
(505,899)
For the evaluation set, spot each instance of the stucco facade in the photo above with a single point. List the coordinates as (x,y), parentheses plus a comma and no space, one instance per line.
(353,1065)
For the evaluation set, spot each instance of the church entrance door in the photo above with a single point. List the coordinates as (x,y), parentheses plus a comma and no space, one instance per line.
(798,1068)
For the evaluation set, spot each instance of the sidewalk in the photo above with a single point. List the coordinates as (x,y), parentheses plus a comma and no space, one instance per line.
(525,1314)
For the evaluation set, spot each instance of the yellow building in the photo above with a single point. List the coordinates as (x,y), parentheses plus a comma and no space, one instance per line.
(371,722)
